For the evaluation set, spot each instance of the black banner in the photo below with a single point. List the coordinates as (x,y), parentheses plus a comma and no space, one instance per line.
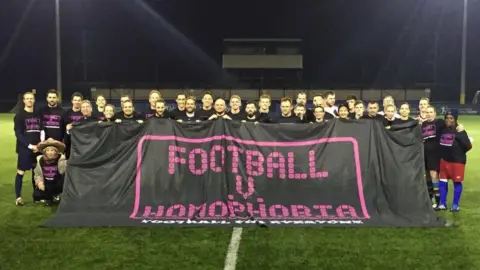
(344,174)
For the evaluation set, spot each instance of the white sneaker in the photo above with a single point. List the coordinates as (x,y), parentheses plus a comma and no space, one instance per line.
(19,201)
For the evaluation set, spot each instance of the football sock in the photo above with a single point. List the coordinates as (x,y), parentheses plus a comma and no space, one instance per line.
(457,192)
(443,191)
(18,185)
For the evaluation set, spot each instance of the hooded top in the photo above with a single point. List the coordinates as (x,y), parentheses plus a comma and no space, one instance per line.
(453,144)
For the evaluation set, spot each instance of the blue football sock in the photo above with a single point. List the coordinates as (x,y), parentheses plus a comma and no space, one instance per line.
(443,192)
(457,192)
(18,185)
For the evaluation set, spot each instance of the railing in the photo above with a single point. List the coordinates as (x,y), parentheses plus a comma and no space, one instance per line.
(275,94)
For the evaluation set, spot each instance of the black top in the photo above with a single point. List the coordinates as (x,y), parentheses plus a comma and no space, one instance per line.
(71,117)
(398,121)
(177,114)
(87,119)
(52,122)
(27,127)
(288,119)
(186,118)
(431,131)
(237,116)
(454,146)
(166,115)
(99,115)
(150,113)
(376,117)
(204,114)
(134,117)
(267,117)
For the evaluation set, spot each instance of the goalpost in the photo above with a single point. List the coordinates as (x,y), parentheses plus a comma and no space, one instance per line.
(476,98)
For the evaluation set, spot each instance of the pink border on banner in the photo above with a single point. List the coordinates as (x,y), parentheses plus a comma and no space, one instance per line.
(356,154)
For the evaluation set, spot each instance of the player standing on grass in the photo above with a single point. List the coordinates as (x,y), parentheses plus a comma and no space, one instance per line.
(52,118)
(453,148)
(72,116)
(27,127)
(431,130)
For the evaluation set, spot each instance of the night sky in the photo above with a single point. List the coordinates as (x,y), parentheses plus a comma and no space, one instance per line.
(366,43)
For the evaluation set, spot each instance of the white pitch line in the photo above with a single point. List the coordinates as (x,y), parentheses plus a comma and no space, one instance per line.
(232,251)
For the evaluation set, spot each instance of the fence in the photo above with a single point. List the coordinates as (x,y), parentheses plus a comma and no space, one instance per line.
(275,94)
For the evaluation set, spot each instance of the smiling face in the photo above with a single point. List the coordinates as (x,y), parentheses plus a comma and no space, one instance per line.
(29,100)
(430,113)
(450,121)
(343,112)
(109,112)
(101,101)
(404,110)
(160,107)
(390,112)
(220,106)
(86,109)
(235,103)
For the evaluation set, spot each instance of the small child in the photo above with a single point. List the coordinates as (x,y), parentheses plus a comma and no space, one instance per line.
(50,171)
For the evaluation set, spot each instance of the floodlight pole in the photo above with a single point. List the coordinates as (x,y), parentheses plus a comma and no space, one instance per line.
(464,53)
(59,51)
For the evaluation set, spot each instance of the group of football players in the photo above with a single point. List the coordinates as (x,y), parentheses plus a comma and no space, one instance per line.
(43,135)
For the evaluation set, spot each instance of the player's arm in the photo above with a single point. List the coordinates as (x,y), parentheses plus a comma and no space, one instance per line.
(38,175)
(19,128)
(464,141)
(62,165)
(405,125)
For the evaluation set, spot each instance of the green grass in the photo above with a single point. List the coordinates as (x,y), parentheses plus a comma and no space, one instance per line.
(23,245)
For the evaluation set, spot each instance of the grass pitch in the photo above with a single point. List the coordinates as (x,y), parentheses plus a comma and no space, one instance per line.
(23,245)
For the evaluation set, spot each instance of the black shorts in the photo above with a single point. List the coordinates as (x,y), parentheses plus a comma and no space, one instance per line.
(27,160)
(432,161)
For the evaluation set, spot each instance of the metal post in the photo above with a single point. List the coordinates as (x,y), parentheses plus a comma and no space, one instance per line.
(59,52)
(464,53)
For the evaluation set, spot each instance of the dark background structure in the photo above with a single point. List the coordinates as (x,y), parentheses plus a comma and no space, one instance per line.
(178,43)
